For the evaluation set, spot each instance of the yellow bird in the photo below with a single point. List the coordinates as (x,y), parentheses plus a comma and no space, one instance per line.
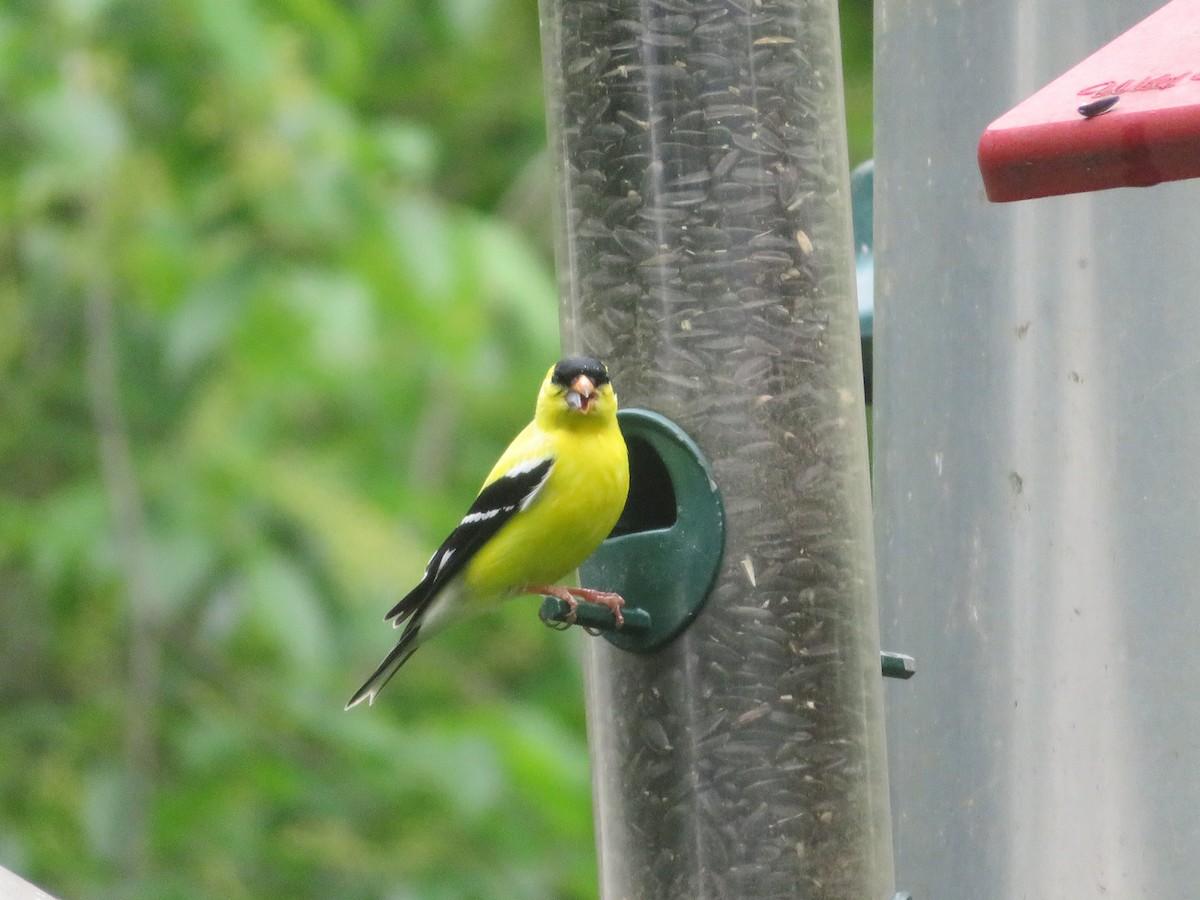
(549,501)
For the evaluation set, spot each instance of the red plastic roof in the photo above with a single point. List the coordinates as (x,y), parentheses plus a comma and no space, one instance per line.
(1048,145)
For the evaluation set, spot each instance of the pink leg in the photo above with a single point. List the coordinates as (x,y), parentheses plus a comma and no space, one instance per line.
(558,592)
(567,595)
(605,598)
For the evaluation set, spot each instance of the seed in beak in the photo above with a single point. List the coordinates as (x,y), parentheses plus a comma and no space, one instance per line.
(579,397)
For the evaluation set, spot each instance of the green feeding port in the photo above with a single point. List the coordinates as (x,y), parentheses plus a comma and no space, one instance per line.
(665,551)
(651,505)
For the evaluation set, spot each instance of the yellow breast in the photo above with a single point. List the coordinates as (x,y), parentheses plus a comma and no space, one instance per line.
(574,511)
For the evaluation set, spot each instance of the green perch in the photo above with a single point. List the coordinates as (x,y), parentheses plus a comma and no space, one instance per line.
(598,617)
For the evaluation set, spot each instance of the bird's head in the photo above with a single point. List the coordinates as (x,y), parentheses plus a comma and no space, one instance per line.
(577,389)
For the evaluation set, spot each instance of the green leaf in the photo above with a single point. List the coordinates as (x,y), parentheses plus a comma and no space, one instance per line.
(340,313)
(408,150)
(284,606)
(517,286)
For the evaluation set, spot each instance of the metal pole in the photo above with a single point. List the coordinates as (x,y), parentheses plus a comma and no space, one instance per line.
(705,254)
(13,887)
(1036,478)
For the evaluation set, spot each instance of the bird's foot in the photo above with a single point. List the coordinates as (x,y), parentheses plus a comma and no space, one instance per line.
(572,596)
(559,593)
(614,602)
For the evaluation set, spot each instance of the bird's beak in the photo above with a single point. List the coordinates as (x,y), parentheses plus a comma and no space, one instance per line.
(582,394)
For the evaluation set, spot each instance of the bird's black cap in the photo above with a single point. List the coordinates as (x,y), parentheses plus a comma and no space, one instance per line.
(567,370)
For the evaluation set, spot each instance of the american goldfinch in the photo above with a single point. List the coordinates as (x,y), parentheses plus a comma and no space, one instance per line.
(553,496)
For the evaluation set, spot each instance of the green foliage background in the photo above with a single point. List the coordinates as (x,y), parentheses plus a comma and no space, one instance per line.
(275,289)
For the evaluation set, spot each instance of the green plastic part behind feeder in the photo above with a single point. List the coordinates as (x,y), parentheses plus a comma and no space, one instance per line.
(862,198)
(665,551)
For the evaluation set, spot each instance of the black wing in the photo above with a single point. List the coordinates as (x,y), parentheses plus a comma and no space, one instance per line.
(495,505)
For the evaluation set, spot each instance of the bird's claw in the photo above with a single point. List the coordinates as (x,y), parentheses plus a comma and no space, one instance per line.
(572,611)
(572,596)
(614,602)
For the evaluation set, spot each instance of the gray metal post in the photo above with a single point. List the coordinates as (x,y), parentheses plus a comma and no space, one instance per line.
(705,253)
(13,887)
(1037,483)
